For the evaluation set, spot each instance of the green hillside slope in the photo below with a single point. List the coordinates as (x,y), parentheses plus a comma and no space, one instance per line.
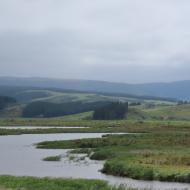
(27,95)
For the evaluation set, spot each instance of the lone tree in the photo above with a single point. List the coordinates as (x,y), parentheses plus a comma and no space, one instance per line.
(114,110)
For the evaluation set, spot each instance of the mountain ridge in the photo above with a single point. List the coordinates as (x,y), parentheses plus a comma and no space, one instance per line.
(176,89)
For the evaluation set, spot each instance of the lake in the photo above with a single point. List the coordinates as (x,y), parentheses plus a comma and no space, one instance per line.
(19,157)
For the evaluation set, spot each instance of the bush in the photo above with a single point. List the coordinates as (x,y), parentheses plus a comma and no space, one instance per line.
(102,155)
(52,158)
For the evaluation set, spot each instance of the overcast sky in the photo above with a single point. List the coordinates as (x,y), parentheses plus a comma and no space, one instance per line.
(113,40)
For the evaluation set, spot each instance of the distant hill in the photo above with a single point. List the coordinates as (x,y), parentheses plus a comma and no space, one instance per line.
(178,90)
(30,94)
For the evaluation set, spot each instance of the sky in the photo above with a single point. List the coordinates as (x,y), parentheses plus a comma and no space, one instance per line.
(132,41)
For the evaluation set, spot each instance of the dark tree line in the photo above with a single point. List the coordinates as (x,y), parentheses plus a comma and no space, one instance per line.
(47,109)
(5,101)
(114,110)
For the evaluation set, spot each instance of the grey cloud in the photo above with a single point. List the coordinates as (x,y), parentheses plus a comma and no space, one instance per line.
(123,40)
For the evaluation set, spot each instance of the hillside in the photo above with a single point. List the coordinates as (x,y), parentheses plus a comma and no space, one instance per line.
(175,112)
(179,90)
(149,109)
(160,112)
(52,96)
(141,113)
(30,94)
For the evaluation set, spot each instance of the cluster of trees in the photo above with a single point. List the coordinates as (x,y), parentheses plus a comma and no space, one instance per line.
(114,110)
(181,102)
(47,109)
(5,101)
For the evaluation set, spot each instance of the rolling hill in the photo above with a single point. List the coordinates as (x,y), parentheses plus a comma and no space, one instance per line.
(31,94)
(53,96)
(149,109)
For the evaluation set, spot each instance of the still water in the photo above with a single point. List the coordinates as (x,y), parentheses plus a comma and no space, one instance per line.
(19,157)
(39,127)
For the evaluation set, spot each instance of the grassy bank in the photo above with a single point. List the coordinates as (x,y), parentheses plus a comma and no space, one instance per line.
(163,156)
(93,126)
(31,183)
(52,158)
(88,123)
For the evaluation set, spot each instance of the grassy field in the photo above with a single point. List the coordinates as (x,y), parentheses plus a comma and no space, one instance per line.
(162,154)
(177,112)
(31,183)
(160,112)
